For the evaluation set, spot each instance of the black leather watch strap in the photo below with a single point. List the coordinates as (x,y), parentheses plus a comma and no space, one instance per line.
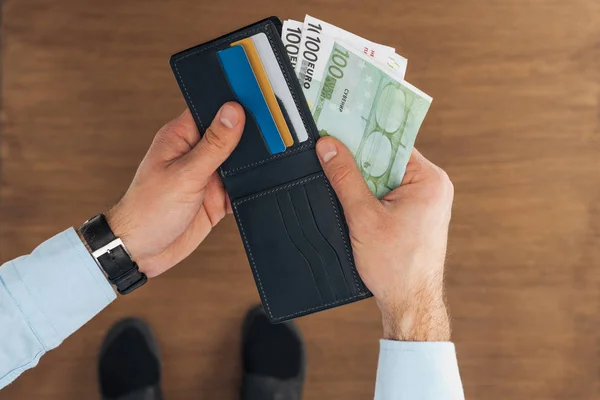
(111,255)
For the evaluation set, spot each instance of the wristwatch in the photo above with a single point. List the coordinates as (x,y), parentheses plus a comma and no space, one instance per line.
(111,255)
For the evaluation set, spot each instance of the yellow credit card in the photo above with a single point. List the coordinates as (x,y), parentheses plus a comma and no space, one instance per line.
(267,90)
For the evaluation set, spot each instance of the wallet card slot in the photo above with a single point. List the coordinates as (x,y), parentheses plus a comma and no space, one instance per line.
(205,88)
(281,269)
(206,93)
(332,226)
(318,268)
(306,218)
(274,174)
(298,248)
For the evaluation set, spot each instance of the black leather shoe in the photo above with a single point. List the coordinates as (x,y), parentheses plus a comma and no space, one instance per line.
(273,359)
(129,365)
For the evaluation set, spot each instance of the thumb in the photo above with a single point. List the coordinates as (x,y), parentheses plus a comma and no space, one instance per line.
(218,142)
(345,177)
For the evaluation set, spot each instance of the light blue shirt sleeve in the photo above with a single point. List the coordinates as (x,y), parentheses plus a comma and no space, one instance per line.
(418,370)
(44,297)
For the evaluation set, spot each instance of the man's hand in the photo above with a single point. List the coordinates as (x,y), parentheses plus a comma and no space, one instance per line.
(399,242)
(176,196)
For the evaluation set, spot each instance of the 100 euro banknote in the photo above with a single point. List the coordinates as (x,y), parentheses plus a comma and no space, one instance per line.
(376,115)
(317,40)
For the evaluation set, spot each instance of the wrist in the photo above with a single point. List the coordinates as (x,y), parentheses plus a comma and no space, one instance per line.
(117,226)
(122,229)
(111,254)
(424,320)
(416,309)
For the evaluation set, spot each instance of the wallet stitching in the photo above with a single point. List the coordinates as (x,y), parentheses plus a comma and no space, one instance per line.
(289,185)
(253,263)
(272,158)
(347,299)
(187,95)
(353,268)
(260,28)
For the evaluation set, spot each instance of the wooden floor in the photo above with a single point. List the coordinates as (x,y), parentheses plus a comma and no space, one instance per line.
(515,122)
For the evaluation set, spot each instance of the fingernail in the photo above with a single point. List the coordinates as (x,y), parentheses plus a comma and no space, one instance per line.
(229,116)
(326,150)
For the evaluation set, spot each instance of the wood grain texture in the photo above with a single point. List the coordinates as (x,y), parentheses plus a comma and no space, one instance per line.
(515,122)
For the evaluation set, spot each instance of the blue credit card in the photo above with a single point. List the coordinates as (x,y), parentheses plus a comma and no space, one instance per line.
(245,86)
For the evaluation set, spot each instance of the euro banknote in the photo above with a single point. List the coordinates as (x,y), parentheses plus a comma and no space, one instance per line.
(316,43)
(373,113)
(357,93)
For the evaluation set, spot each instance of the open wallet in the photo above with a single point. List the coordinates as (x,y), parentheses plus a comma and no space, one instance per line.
(290,220)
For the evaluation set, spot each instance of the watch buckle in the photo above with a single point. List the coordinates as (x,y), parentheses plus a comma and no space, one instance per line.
(108,248)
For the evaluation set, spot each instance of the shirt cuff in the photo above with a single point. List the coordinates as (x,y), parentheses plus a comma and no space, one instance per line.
(418,370)
(58,287)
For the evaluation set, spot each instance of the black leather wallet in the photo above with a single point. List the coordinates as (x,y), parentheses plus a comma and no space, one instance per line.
(289,218)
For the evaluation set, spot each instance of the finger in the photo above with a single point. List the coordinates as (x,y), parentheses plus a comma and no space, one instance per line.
(175,138)
(215,184)
(345,177)
(219,140)
(215,199)
(422,180)
(418,168)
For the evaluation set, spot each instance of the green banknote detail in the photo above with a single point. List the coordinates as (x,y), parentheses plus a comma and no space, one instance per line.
(376,116)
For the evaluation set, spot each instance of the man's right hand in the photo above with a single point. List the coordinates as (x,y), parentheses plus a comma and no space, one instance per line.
(399,242)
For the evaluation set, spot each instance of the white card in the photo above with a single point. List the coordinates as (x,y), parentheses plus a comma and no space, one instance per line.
(278,83)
